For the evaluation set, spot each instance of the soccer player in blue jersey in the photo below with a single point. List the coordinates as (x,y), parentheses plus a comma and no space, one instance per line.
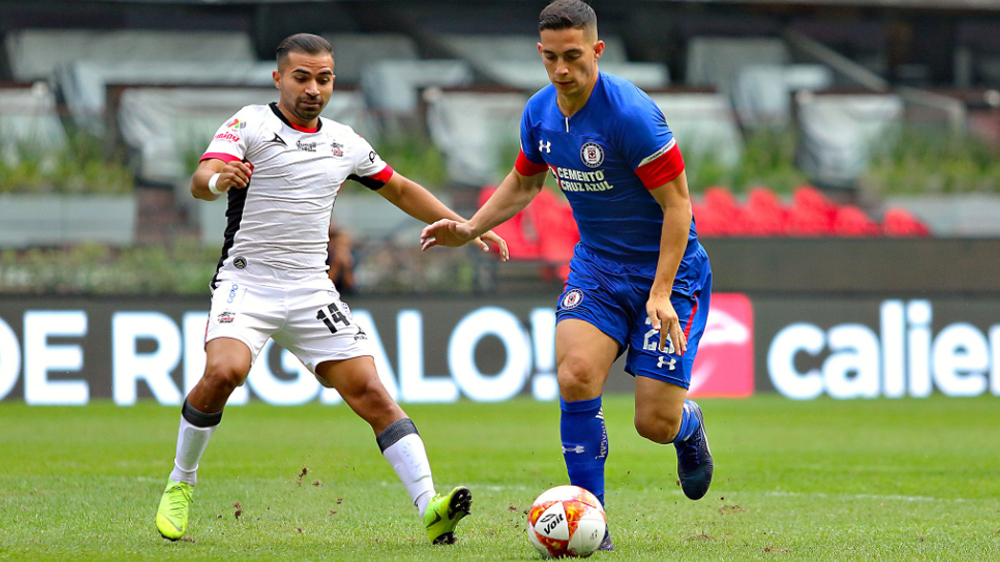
(640,281)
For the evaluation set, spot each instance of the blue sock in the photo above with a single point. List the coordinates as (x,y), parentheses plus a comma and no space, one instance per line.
(689,423)
(585,443)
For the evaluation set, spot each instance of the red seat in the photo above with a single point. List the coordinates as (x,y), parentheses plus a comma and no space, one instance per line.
(765,214)
(721,213)
(812,213)
(899,222)
(852,221)
(557,231)
(520,245)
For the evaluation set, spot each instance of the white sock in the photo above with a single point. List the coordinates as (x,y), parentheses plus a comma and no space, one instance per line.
(191,443)
(409,459)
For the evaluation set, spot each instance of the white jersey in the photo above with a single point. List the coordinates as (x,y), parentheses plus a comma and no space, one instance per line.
(278,227)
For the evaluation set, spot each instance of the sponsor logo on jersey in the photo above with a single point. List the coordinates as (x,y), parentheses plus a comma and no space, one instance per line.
(572,299)
(227,317)
(305,146)
(227,136)
(592,154)
(337,149)
(371,156)
(579,180)
(545,145)
(240,262)
(237,124)
(277,140)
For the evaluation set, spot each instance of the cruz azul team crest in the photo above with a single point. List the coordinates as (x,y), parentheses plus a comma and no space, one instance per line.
(592,154)
(572,299)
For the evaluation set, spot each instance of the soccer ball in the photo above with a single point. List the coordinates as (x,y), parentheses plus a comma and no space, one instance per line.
(566,521)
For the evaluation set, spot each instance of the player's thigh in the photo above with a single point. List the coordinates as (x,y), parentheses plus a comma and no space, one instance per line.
(320,328)
(584,355)
(242,318)
(645,359)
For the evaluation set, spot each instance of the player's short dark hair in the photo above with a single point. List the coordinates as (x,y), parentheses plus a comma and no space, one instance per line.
(567,14)
(303,43)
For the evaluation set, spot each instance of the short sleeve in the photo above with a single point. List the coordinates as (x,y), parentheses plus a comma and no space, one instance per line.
(369,168)
(529,160)
(230,141)
(649,146)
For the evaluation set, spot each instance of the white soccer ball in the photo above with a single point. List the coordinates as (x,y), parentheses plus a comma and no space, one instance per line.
(566,521)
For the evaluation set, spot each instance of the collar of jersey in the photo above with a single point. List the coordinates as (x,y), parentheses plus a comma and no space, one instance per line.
(274,108)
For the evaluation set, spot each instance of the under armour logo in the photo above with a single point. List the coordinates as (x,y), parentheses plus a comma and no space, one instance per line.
(671,363)
(546,146)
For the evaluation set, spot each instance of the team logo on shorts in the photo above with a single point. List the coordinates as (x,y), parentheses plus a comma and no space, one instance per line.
(240,262)
(592,154)
(227,317)
(572,299)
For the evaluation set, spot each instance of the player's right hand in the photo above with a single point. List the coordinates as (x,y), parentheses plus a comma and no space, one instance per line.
(234,175)
(446,232)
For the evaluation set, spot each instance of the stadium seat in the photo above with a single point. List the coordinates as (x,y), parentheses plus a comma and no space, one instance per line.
(721,213)
(556,228)
(852,221)
(899,222)
(812,213)
(765,214)
(521,244)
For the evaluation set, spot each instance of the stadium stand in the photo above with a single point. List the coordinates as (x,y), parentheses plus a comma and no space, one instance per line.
(29,118)
(703,123)
(714,61)
(36,53)
(478,132)
(810,214)
(837,133)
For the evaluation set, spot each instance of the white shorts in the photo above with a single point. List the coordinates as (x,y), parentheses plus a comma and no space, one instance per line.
(308,320)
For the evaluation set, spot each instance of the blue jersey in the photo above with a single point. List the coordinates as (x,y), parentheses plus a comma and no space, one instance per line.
(606,158)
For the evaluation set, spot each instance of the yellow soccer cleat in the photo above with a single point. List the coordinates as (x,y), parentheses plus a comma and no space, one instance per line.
(444,513)
(172,515)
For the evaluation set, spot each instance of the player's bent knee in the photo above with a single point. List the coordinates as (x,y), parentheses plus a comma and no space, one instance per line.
(222,377)
(577,378)
(657,428)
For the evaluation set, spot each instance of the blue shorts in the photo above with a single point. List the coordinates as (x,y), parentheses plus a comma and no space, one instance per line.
(612,297)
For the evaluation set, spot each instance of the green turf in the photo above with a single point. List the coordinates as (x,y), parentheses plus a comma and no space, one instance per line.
(823,480)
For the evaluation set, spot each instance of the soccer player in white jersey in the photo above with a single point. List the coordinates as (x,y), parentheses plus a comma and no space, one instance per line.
(281,167)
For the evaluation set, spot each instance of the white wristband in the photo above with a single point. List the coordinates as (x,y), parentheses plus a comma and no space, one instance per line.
(211,183)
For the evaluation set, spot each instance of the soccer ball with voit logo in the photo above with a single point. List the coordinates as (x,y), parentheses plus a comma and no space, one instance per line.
(566,521)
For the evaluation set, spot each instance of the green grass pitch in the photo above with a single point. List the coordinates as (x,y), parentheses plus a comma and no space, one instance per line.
(823,480)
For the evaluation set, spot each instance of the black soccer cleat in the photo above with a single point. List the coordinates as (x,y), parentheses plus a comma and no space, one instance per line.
(694,459)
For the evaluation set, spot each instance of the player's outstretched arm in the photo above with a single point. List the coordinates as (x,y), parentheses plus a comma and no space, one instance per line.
(231,175)
(673,197)
(422,205)
(512,195)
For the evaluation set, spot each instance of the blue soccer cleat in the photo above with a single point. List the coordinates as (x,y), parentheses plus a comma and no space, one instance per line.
(694,459)
(606,543)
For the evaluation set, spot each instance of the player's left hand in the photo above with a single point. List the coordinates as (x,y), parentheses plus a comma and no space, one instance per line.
(491,237)
(664,318)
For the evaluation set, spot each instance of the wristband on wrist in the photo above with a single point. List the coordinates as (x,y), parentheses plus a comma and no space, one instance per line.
(211,183)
